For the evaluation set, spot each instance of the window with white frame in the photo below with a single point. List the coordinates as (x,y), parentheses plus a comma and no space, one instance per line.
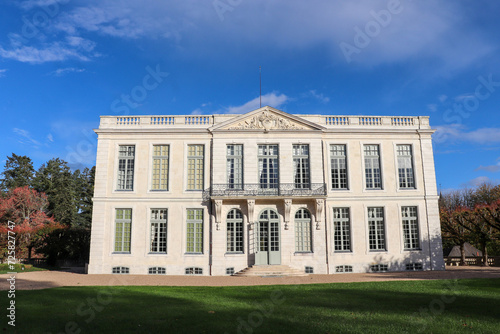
(126,155)
(120,270)
(234,163)
(158,231)
(160,167)
(373,176)
(405,167)
(123,225)
(410,227)
(195,158)
(157,271)
(376,229)
(341,230)
(303,242)
(234,231)
(194,235)
(268,166)
(338,162)
(343,269)
(194,271)
(301,167)
(377,268)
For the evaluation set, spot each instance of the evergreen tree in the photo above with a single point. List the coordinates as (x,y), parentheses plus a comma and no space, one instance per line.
(18,172)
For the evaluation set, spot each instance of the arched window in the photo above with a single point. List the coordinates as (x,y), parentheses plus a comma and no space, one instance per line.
(234,231)
(303,242)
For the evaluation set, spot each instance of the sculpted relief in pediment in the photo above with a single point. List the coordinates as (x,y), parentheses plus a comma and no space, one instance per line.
(267,121)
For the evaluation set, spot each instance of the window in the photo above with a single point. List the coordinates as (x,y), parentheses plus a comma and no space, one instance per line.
(195,167)
(160,167)
(234,163)
(120,270)
(303,231)
(268,166)
(339,166)
(301,166)
(158,231)
(309,270)
(126,156)
(234,231)
(194,271)
(410,227)
(414,266)
(123,224)
(230,271)
(405,167)
(341,230)
(343,269)
(372,167)
(157,271)
(377,268)
(376,228)
(194,242)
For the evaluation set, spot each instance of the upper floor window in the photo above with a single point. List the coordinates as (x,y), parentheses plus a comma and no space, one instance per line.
(338,161)
(373,175)
(405,167)
(195,158)
(268,166)
(234,162)
(126,155)
(160,167)
(301,166)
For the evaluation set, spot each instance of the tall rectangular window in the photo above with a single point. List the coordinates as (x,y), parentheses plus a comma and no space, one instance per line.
(126,155)
(372,167)
(160,167)
(301,168)
(194,235)
(339,166)
(123,225)
(268,166)
(405,167)
(376,228)
(196,155)
(341,230)
(158,231)
(234,164)
(234,231)
(410,227)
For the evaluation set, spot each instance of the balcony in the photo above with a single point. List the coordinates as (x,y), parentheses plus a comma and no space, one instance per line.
(258,190)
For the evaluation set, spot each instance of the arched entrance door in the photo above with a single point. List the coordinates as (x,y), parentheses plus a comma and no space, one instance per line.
(268,238)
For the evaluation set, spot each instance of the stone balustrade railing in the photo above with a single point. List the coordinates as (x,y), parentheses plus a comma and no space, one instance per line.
(207,121)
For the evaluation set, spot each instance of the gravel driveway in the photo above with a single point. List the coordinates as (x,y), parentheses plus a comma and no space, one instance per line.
(51,279)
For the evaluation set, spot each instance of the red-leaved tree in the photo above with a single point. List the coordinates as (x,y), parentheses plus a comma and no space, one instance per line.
(25,208)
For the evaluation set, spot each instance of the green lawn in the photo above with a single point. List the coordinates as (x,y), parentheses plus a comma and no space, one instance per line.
(18,268)
(446,306)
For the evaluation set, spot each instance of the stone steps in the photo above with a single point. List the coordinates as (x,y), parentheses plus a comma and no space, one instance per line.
(270,271)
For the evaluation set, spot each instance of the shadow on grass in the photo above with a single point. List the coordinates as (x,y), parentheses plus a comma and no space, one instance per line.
(385,307)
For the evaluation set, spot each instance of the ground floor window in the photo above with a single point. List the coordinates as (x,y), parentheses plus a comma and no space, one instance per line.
(194,271)
(303,231)
(234,231)
(194,235)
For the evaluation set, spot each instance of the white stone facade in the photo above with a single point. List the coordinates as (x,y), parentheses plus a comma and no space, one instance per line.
(129,234)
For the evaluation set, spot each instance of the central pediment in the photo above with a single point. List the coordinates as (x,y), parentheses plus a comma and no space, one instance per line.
(267,119)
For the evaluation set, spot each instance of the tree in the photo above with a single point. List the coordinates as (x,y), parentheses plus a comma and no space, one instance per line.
(56,180)
(452,229)
(25,207)
(84,184)
(18,172)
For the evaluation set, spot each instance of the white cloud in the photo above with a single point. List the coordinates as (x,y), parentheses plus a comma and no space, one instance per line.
(62,71)
(270,99)
(2,72)
(320,97)
(25,137)
(459,134)
(50,137)
(30,4)
(46,53)
(490,168)
(432,107)
(477,181)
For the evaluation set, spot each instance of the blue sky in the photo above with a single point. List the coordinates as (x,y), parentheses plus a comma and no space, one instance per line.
(63,63)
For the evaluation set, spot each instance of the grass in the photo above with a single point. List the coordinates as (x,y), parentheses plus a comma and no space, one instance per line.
(444,306)
(18,268)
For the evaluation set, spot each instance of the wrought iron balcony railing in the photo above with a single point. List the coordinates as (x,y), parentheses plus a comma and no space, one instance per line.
(256,189)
